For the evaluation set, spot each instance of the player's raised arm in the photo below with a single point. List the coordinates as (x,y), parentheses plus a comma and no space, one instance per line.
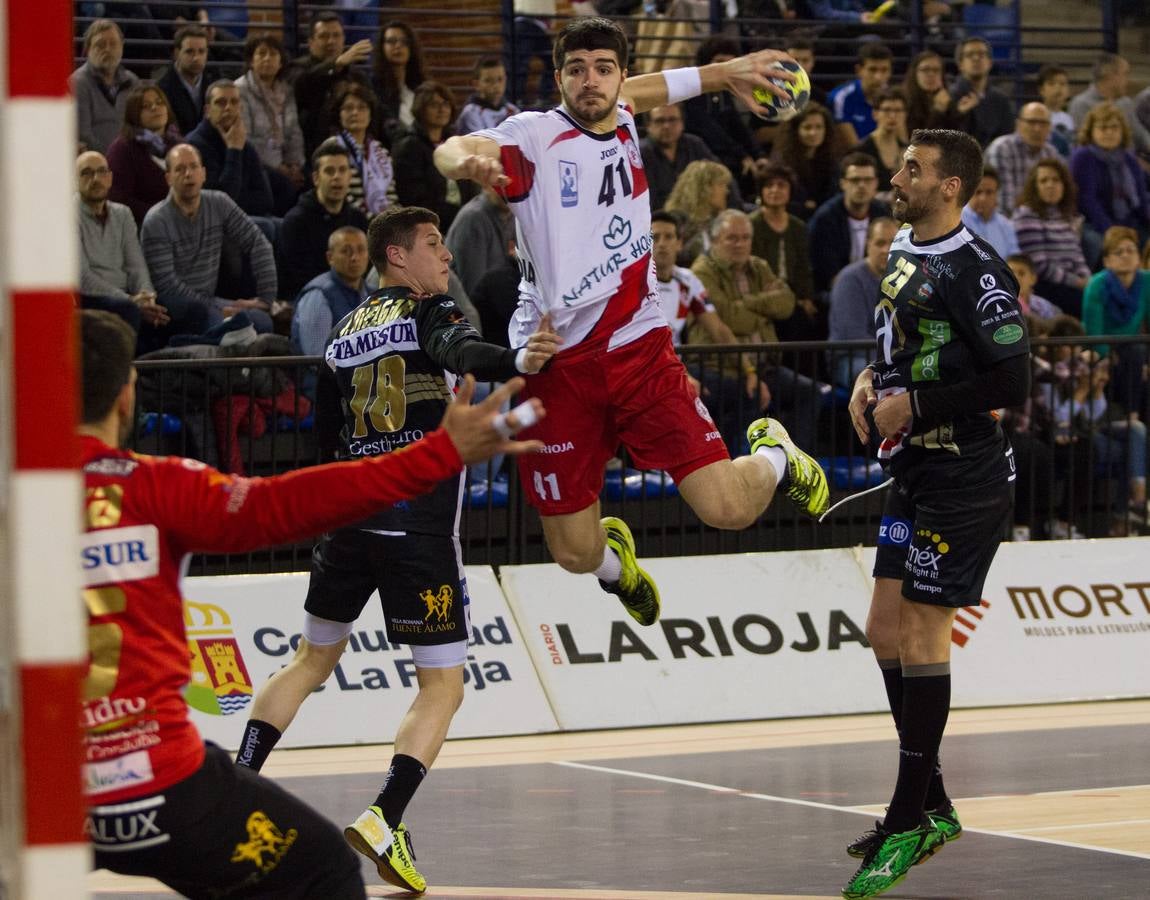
(740,76)
(472,157)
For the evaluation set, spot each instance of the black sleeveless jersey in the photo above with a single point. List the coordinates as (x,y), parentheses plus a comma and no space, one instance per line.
(394,361)
(947,310)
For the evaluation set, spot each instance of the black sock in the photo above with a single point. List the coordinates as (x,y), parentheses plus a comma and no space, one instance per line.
(404,776)
(925,708)
(892,678)
(936,795)
(258,741)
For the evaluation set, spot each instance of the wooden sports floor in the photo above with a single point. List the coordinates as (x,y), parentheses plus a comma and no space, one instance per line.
(1055,801)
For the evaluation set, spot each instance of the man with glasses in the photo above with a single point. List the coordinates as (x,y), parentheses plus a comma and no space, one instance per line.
(993,114)
(113,274)
(838,228)
(667,151)
(101,86)
(1014,155)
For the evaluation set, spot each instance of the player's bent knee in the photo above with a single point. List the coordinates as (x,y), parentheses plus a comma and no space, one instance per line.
(727,513)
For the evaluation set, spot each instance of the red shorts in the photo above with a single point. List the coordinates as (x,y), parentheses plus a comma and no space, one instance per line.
(637,395)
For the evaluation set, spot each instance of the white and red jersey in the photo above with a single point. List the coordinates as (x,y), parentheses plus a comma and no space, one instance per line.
(583,226)
(144,515)
(682,297)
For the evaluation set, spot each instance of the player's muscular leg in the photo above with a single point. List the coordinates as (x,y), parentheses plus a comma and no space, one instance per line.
(924,633)
(576,540)
(424,727)
(279,699)
(882,622)
(730,494)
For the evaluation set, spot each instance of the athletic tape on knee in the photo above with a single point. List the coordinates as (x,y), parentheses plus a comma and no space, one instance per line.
(324,632)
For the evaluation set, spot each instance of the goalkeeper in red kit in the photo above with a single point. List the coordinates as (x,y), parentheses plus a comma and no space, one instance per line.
(162,803)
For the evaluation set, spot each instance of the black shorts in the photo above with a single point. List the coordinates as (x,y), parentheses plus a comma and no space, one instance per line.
(226,832)
(941,526)
(419,579)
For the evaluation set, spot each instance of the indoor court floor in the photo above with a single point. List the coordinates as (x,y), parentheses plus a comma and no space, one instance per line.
(1055,801)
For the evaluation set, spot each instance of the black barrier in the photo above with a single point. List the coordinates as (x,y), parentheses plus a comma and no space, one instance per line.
(1077,466)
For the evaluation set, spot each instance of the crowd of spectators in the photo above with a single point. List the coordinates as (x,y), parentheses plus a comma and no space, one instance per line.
(202,196)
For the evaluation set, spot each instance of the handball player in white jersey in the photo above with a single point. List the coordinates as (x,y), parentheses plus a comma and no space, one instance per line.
(573,177)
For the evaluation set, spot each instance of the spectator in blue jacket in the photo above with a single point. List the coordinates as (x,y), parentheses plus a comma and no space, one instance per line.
(330,296)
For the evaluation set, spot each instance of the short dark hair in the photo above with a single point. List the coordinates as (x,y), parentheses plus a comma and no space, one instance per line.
(590,33)
(188,31)
(395,227)
(857,158)
(107,347)
(959,156)
(661,215)
(264,39)
(322,17)
(878,221)
(338,97)
(1049,72)
(988,171)
(967,41)
(874,50)
(891,93)
(218,84)
(776,171)
(797,41)
(333,146)
(490,61)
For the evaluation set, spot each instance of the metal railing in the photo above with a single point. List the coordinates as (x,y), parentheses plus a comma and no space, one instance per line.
(453,38)
(228,414)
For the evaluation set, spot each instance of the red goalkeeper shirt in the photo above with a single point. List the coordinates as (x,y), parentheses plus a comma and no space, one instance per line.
(144,516)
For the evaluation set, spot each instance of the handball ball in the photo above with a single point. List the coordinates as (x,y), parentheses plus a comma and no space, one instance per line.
(798,93)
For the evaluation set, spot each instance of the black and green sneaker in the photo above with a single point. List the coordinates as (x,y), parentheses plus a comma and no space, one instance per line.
(945,821)
(806,482)
(635,588)
(866,842)
(889,862)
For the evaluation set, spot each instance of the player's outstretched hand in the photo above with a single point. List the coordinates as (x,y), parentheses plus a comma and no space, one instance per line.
(541,346)
(483,170)
(481,431)
(745,73)
(862,396)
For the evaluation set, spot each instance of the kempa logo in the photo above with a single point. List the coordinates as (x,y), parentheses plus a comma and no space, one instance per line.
(220,684)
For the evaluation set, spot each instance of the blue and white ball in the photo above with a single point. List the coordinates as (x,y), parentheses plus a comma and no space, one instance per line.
(798,92)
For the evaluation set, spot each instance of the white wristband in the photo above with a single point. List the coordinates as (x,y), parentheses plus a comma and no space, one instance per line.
(524,414)
(521,360)
(682,84)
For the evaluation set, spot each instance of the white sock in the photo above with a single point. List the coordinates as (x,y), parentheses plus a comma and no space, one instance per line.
(610,569)
(778,459)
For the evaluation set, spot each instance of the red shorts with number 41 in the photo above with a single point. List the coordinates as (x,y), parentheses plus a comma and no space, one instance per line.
(636,395)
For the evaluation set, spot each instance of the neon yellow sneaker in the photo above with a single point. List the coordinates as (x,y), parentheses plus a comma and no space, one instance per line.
(391,851)
(806,483)
(635,588)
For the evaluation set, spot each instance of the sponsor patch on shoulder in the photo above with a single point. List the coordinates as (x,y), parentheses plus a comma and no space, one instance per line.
(111,465)
(1008,334)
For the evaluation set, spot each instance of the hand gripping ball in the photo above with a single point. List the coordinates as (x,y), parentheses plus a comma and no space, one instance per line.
(798,93)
